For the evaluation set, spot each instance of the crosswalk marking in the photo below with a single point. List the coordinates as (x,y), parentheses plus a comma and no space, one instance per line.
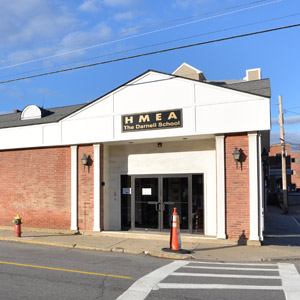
(225,275)
(290,281)
(286,274)
(141,288)
(234,264)
(217,286)
(226,268)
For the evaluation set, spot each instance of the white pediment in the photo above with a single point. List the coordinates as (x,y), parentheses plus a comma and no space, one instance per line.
(155,91)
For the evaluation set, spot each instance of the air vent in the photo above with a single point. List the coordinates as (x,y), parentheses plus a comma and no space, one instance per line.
(253,74)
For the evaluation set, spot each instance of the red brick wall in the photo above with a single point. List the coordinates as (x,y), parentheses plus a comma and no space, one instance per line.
(36,184)
(86,189)
(295,166)
(237,188)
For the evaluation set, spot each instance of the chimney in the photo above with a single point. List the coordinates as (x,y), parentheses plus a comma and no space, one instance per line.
(253,74)
(16,111)
(187,71)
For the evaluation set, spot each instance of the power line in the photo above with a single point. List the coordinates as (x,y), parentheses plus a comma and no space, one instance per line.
(135,36)
(133,30)
(292,112)
(294,107)
(152,45)
(153,52)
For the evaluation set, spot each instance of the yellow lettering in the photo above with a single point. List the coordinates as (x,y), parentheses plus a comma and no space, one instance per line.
(158,117)
(128,120)
(145,118)
(172,115)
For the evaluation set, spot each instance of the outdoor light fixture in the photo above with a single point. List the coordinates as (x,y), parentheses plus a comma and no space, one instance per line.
(84,160)
(236,155)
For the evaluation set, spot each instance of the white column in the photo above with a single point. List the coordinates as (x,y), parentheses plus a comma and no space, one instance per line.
(97,179)
(220,157)
(261,190)
(253,186)
(74,182)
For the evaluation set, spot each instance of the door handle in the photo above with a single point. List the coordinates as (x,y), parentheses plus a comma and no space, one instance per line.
(158,206)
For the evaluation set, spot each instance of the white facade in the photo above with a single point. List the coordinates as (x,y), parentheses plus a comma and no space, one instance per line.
(232,111)
(208,112)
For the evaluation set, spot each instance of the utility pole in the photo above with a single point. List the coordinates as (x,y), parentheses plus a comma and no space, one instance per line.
(283,159)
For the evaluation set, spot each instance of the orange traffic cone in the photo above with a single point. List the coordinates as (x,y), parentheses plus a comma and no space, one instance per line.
(175,243)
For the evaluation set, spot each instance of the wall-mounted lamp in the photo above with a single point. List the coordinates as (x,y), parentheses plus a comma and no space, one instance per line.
(85,160)
(236,155)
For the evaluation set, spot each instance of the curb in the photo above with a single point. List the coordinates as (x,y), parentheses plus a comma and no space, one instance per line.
(116,249)
(274,259)
(157,254)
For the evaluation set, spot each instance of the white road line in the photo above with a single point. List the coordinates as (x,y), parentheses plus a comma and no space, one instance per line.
(290,281)
(142,287)
(224,269)
(225,275)
(234,264)
(296,221)
(217,286)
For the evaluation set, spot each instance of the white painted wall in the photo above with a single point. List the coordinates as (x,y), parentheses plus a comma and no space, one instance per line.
(206,109)
(183,157)
(106,187)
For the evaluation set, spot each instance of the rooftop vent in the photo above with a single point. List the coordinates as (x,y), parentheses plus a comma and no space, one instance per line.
(187,71)
(253,74)
(32,112)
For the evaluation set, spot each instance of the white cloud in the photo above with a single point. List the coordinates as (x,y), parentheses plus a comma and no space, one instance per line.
(187,3)
(98,31)
(287,120)
(91,5)
(292,137)
(118,3)
(125,16)
(32,22)
(5,112)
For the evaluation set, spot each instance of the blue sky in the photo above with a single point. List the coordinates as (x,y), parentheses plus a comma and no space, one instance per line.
(38,36)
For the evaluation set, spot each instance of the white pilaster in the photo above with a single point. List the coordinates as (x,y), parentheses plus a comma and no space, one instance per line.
(220,157)
(253,186)
(97,179)
(261,190)
(74,182)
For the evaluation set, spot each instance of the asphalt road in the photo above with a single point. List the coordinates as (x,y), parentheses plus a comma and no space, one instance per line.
(20,281)
(29,271)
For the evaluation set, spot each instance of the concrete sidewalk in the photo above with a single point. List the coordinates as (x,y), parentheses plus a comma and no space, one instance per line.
(282,242)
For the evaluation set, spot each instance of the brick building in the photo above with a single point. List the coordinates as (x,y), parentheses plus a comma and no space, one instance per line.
(124,161)
(292,168)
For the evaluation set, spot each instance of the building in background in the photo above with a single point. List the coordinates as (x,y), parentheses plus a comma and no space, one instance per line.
(124,161)
(292,168)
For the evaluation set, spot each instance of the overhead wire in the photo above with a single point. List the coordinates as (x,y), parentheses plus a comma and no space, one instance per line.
(152,45)
(135,36)
(132,30)
(155,52)
(156,44)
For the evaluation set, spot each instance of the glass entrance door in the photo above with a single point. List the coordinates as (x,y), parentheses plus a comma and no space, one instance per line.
(175,194)
(155,199)
(147,205)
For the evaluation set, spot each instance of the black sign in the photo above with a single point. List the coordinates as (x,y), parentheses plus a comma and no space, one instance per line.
(153,120)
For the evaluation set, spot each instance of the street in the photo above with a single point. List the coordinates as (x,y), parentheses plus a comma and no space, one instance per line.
(27,282)
(40,272)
